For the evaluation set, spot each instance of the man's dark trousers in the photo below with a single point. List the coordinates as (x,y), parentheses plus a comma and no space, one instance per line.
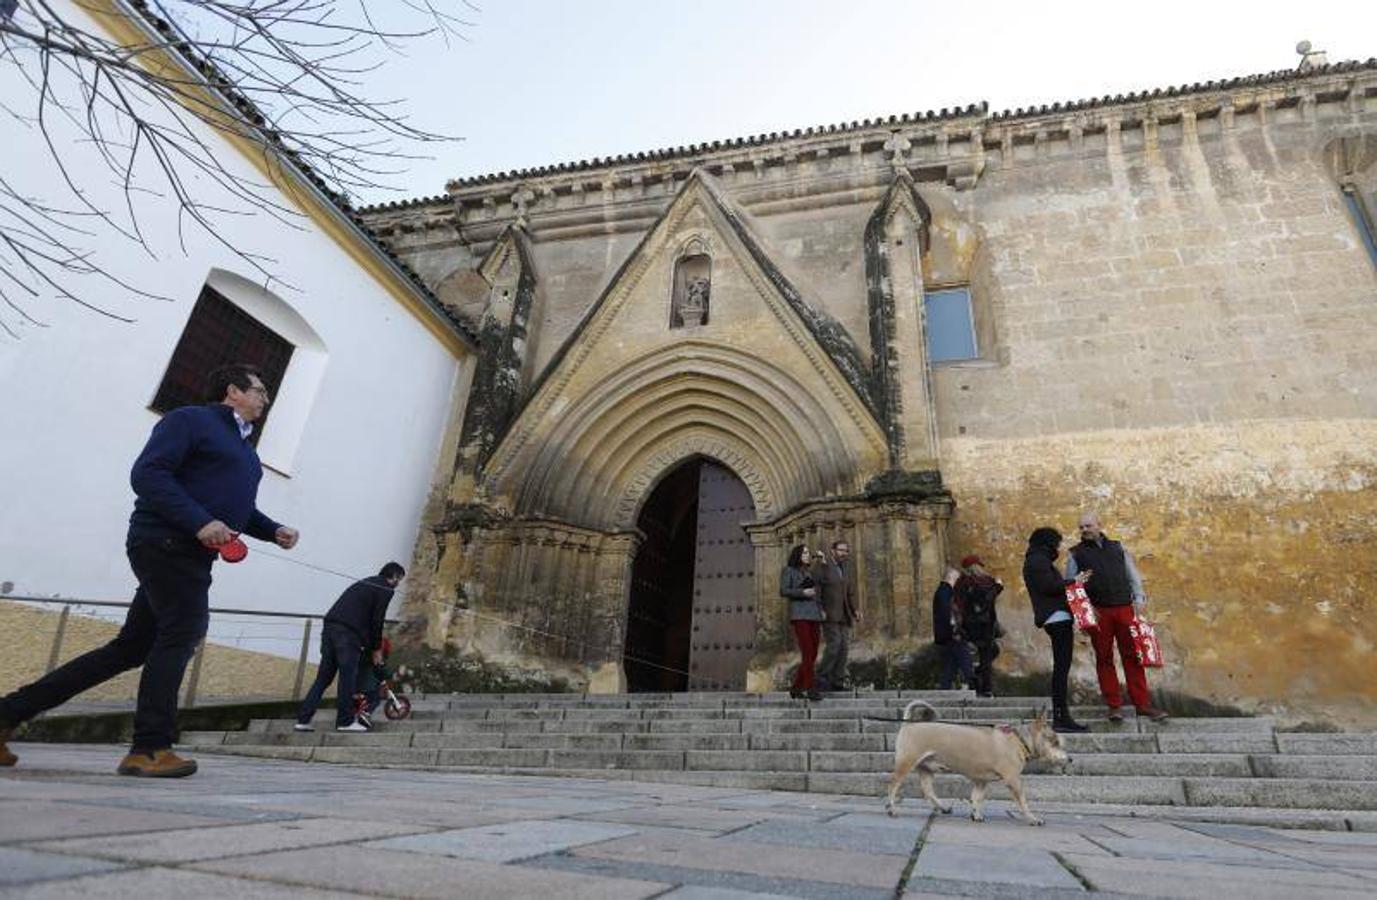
(836,639)
(339,653)
(956,655)
(166,620)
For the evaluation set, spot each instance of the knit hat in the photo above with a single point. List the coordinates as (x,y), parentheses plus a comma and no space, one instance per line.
(971,560)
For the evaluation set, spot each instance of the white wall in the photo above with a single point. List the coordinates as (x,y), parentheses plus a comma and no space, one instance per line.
(372,395)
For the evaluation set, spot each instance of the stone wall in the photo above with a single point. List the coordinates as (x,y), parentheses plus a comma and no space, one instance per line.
(1174,312)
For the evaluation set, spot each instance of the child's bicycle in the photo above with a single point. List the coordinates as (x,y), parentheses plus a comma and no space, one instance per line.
(395,706)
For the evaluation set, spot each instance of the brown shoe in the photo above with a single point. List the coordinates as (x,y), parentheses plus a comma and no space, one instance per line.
(158,764)
(1116,715)
(6,757)
(1152,713)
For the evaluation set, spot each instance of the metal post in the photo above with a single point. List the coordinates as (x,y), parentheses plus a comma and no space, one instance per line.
(56,653)
(195,675)
(301,660)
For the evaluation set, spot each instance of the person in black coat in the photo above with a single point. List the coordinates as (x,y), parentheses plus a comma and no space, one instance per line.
(1047,591)
(947,634)
(354,624)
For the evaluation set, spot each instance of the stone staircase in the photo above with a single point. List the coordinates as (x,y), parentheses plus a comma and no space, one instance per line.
(770,742)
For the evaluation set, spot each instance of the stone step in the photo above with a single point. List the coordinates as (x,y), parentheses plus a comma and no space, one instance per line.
(611,752)
(791,710)
(1319,747)
(691,697)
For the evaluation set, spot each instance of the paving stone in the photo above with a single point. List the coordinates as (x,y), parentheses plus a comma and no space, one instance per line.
(566,806)
(165,884)
(1208,881)
(1002,832)
(1011,865)
(1328,837)
(700,818)
(32,820)
(19,866)
(810,864)
(227,809)
(709,878)
(392,873)
(830,835)
(230,840)
(506,843)
(698,892)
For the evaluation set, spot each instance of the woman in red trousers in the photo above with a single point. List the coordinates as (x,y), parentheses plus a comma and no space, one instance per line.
(805,614)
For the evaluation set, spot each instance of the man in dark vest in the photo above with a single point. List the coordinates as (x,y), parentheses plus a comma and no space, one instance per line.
(1116,592)
(833,577)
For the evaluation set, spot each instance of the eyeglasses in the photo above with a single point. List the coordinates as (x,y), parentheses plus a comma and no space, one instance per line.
(260,391)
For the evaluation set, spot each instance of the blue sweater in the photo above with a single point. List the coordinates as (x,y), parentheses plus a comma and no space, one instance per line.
(194,469)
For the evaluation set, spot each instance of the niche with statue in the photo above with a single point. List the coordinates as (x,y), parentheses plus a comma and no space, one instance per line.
(692,297)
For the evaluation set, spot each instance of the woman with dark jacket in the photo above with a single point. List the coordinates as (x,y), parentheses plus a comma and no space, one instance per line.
(805,614)
(1047,590)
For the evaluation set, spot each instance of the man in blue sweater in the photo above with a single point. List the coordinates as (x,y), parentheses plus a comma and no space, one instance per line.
(195,486)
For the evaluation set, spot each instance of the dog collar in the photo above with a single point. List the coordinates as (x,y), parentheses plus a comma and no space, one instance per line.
(1022,744)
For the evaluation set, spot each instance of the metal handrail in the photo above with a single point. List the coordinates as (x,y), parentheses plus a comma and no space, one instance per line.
(194,679)
(124,604)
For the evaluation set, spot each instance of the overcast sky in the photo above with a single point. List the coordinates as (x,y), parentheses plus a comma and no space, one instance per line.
(547,81)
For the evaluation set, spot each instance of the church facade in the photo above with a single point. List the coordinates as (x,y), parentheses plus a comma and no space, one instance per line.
(925,335)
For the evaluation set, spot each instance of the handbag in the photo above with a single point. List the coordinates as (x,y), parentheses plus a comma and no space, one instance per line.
(1145,643)
(1081,608)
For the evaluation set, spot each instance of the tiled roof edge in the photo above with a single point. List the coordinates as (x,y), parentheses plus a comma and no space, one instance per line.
(945,114)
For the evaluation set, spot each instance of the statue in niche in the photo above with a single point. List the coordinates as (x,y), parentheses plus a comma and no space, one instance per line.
(692,291)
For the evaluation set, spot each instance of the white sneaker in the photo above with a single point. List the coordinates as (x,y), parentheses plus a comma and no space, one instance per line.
(355,727)
(303,726)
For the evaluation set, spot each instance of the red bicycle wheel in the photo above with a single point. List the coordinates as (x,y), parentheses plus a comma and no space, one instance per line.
(398,709)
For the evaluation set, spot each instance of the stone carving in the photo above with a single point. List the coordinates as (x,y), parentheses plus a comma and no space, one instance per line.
(694,310)
(692,286)
(673,455)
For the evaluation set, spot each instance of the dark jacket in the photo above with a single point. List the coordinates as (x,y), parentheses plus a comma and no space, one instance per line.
(1111,585)
(966,590)
(1046,586)
(362,609)
(835,592)
(942,629)
(196,468)
(792,583)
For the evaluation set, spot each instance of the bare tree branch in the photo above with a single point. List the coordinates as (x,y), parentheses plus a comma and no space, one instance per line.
(286,78)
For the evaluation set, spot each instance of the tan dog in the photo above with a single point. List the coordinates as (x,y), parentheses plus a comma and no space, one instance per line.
(981,753)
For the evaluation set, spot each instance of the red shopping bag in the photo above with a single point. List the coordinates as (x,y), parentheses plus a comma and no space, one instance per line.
(1145,642)
(1081,609)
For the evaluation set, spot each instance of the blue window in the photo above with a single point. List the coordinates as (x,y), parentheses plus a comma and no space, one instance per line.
(951,327)
(1358,210)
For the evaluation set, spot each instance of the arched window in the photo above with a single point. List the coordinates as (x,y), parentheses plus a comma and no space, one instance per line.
(235,320)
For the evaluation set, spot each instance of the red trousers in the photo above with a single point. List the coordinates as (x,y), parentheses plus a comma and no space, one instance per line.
(807,634)
(1113,629)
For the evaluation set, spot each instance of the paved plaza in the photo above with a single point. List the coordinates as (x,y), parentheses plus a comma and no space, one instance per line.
(70,827)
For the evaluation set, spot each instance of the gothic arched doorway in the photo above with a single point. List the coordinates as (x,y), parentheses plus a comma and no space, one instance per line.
(691,616)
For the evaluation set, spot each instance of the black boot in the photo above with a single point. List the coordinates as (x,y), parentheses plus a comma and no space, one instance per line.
(1062,723)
